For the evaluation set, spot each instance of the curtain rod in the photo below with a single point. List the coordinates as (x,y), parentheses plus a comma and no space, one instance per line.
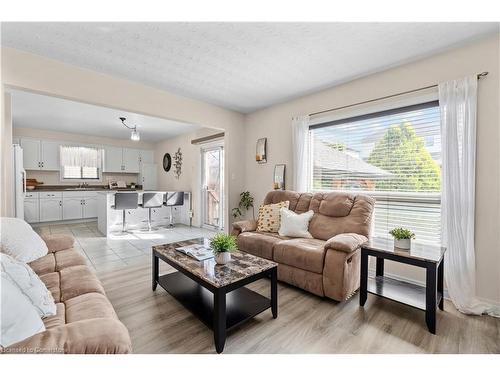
(479,76)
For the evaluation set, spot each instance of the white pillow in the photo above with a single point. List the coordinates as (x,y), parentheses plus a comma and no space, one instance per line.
(295,225)
(28,282)
(19,319)
(20,241)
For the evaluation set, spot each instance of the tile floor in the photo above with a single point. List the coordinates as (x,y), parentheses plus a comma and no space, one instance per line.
(105,254)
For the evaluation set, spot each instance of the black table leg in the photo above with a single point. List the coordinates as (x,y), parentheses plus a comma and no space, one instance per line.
(380,267)
(219,320)
(363,292)
(440,283)
(155,273)
(274,292)
(430,300)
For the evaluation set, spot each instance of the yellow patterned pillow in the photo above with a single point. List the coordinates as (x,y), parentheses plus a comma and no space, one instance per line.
(269,218)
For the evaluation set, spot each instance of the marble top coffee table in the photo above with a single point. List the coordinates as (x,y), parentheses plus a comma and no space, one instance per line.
(223,302)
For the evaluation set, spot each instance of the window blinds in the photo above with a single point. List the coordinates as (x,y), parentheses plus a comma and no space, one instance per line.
(393,155)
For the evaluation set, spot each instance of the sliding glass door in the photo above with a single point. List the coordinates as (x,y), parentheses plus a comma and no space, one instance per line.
(212,172)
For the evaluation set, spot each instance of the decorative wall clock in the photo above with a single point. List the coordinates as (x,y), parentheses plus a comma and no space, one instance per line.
(167,162)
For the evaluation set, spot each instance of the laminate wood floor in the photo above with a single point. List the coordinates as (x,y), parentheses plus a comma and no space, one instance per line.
(306,324)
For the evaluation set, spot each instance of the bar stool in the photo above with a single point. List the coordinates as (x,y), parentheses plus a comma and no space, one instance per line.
(173,198)
(125,201)
(150,201)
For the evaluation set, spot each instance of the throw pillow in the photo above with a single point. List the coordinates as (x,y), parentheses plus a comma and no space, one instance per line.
(20,241)
(20,319)
(269,217)
(295,225)
(28,282)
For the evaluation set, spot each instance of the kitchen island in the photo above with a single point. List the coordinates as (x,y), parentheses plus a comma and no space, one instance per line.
(110,220)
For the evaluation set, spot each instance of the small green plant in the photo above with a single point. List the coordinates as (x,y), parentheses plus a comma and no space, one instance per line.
(223,243)
(246,202)
(402,233)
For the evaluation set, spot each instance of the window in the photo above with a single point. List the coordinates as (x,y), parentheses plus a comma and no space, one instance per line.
(394,156)
(80,163)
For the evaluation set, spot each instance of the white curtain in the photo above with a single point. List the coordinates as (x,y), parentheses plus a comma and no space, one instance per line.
(74,156)
(458,102)
(301,162)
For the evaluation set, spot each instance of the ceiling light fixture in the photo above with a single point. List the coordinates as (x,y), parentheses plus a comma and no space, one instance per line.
(135,136)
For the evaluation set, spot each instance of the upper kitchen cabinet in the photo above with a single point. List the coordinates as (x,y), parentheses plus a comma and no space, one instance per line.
(41,155)
(113,161)
(50,155)
(121,160)
(131,160)
(31,153)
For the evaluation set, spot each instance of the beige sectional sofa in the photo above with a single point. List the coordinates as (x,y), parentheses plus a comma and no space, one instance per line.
(85,321)
(327,264)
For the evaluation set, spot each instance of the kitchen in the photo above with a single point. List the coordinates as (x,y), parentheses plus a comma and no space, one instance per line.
(71,158)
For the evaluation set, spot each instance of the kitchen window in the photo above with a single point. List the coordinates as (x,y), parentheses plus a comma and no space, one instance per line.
(80,163)
(392,155)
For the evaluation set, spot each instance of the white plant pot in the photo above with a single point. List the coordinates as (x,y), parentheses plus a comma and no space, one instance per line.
(403,244)
(223,258)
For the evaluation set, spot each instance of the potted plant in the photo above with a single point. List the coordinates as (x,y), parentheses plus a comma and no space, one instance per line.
(246,202)
(402,237)
(223,245)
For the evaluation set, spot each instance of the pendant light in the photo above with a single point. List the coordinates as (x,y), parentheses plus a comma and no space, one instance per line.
(134,136)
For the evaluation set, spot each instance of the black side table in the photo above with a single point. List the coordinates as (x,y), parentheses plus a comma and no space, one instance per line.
(424,298)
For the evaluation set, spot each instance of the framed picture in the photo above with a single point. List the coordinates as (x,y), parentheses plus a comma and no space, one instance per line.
(279,177)
(261,151)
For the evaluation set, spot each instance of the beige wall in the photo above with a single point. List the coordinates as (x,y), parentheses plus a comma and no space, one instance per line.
(190,179)
(275,124)
(46,76)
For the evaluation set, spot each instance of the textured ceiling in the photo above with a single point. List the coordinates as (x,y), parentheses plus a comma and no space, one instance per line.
(240,66)
(49,113)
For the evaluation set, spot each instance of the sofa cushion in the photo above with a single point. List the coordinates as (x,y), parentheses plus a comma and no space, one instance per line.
(91,336)
(88,306)
(68,258)
(337,213)
(58,242)
(304,253)
(58,319)
(259,243)
(52,281)
(43,265)
(78,280)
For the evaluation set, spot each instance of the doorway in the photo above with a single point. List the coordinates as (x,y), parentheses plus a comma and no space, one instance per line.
(212,186)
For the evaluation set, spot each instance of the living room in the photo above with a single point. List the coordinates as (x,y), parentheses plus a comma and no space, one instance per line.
(325,202)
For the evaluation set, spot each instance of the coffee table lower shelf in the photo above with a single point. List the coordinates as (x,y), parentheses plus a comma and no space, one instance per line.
(242,304)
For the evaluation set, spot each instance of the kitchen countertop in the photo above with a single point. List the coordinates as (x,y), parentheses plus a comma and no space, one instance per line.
(75,188)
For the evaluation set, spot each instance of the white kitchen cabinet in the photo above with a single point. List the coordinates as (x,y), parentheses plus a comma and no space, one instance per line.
(147,157)
(89,207)
(50,209)
(42,155)
(147,177)
(72,208)
(49,156)
(131,160)
(31,153)
(113,159)
(31,210)
(16,140)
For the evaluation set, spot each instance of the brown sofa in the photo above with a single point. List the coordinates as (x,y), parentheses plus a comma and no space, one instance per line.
(326,265)
(85,321)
